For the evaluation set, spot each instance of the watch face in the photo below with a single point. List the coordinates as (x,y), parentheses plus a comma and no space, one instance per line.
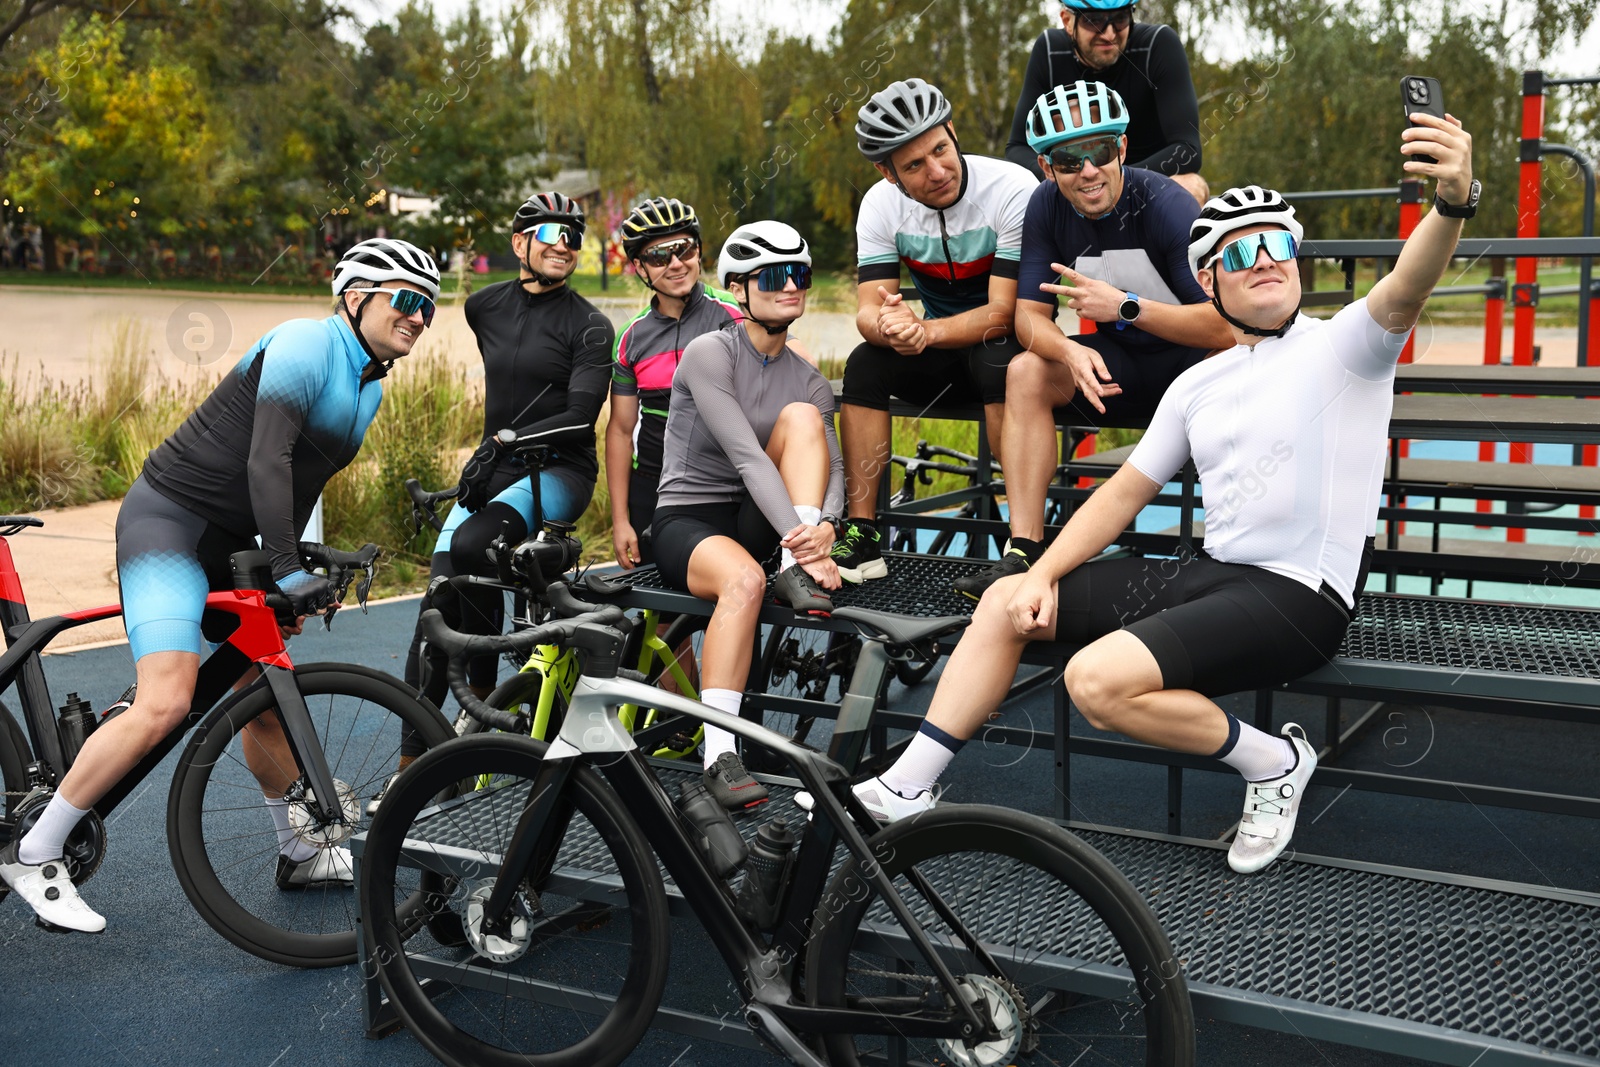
(1129,310)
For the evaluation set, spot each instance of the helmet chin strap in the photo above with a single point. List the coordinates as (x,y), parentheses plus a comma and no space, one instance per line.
(1254,331)
(772,331)
(536,276)
(382,366)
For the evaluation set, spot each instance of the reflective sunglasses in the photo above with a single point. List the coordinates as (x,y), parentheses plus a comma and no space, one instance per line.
(687,249)
(408,302)
(773,279)
(1099,21)
(1241,254)
(551,232)
(1070,159)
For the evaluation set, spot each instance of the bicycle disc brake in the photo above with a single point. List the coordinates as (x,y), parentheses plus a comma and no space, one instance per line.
(1006,1011)
(318,834)
(498,948)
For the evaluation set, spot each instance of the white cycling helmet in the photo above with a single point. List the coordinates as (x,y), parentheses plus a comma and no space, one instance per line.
(1233,210)
(760,244)
(385,259)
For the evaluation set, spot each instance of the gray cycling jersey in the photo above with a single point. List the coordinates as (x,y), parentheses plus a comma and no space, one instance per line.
(726,396)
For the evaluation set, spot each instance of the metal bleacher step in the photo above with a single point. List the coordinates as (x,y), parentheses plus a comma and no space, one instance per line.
(1423,964)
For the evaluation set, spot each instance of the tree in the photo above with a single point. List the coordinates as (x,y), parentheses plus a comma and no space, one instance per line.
(131,152)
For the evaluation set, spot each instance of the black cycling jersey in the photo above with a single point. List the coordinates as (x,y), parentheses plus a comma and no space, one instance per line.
(1151,76)
(254,457)
(546,365)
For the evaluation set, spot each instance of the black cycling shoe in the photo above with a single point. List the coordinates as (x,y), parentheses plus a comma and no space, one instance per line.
(801,592)
(731,785)
(1015,561)
(859,553)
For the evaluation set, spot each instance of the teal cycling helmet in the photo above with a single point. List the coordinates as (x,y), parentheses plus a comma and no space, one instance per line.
(1096,5)
(1050,122)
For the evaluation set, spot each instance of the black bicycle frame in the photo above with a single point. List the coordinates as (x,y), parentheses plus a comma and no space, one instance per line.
(767,972)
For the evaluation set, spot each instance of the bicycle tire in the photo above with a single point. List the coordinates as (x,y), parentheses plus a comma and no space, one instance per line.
(521,691)
(1019,870)
(614,931)
(224,848)
(13,763)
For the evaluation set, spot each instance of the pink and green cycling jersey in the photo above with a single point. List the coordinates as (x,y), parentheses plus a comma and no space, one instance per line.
(648,350)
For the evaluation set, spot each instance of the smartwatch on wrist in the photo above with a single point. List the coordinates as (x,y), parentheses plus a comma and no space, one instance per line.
(1128,310)
(1465,211)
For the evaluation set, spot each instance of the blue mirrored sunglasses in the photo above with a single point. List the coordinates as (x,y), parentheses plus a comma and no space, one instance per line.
(551,232)
(1241,254)
(408,302)
(773,279)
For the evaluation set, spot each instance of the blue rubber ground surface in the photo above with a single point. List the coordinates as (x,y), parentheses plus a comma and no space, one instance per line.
(160,988)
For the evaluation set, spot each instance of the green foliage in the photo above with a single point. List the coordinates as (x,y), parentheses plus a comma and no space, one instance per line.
(128,140)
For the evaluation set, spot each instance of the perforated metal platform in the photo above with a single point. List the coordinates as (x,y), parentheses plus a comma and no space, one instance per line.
(917,585)
(1457,634)
(1359,953)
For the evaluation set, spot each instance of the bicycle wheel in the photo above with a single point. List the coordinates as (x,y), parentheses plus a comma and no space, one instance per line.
(1062,929)
(224,846)
(577,980)
(804,664)
(13,766)
(520,693)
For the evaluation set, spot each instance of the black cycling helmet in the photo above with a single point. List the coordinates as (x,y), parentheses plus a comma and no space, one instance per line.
(654,219)
(897,115)
(550,207)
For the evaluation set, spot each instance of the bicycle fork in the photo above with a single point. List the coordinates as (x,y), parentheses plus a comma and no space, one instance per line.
(304,745)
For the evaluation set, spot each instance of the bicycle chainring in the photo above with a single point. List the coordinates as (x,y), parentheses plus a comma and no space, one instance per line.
(1007,1011)
(498,948)
(308,829)
(85,849)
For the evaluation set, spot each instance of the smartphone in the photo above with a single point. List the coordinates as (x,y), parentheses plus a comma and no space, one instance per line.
(1421,94)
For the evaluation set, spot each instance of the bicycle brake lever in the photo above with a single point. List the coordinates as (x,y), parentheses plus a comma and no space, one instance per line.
(364,586)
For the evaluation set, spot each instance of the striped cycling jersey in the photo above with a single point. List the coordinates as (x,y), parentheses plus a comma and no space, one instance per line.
(646,356)
(951,252)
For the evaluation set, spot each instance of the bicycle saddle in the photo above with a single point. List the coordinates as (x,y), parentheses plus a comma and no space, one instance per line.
(902,629)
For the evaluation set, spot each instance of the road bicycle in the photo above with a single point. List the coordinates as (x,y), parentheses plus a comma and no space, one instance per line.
(322,735)
(968,934)
(534,699)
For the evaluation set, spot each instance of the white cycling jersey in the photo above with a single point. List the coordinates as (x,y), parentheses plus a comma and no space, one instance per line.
(950,252)
(1289,438)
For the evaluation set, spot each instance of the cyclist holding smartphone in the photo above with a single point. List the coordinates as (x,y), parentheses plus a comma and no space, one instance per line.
(1288,430)
(751,471)
(546,357)
(662,238)
(251,460)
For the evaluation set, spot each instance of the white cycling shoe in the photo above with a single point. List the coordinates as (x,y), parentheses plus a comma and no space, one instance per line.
(49,891)
(330,866)
(885,804)
(1270,809)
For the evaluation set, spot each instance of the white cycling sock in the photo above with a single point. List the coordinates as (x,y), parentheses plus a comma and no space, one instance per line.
(288,844)
(1259,756)
(46,840)
(925,758)
(719,740)
(808,515)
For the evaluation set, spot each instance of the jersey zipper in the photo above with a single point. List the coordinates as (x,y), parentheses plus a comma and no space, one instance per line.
(944,238)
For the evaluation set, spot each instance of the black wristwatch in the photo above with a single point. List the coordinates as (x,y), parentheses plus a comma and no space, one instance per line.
(1465,211)
(1128,310)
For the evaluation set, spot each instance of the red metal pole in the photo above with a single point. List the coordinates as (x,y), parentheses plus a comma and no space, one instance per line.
(1494,323)
(1525,294)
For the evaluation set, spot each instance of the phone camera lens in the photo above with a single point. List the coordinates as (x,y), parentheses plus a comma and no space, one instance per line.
(1419,92)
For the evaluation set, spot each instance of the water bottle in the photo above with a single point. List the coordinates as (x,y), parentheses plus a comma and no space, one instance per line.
(715,834)
(766,875)
(77,723)
(123,703)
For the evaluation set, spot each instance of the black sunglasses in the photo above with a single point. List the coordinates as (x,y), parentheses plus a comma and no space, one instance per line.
(1100,21)
(687,249)
(1071,158)
(773,279)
